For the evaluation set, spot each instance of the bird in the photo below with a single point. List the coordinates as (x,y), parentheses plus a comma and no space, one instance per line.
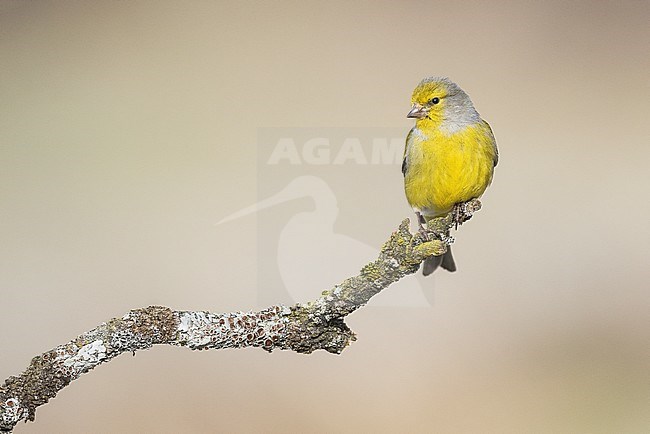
(449,157)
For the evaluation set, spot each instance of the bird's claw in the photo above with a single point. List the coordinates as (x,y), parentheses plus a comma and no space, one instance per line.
(426,234)
(464,211)
(423,231)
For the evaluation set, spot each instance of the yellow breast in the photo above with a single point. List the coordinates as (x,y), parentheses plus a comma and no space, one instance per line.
(445,169)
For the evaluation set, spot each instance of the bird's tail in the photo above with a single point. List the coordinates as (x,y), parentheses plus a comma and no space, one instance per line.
(445,261)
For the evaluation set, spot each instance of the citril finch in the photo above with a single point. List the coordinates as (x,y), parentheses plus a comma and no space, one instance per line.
(450,155)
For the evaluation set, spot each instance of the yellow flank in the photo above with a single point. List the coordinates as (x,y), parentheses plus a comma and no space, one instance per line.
(443,169)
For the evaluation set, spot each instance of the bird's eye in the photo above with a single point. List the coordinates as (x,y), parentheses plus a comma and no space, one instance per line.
(435,100)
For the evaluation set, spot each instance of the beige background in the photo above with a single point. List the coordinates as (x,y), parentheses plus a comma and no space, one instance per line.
(127,129)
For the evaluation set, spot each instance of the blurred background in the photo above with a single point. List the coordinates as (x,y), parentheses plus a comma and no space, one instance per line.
(129,129)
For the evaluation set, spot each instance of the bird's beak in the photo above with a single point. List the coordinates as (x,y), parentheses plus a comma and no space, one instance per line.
(418,112)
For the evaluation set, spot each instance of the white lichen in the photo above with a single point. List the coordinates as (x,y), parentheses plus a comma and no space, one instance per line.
(199,330)
(88,356)
(193,329)
(11,411)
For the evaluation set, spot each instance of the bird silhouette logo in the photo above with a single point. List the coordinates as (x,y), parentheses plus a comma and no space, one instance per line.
(311,256)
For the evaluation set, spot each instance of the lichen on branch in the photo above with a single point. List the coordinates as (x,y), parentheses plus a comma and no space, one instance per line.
(304,328)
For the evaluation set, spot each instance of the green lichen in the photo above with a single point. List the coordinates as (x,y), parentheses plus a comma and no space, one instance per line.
(431,248)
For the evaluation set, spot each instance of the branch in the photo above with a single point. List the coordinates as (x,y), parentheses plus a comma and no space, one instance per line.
(317,325)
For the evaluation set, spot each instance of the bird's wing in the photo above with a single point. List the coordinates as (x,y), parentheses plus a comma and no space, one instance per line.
(494,144)
(405,163)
